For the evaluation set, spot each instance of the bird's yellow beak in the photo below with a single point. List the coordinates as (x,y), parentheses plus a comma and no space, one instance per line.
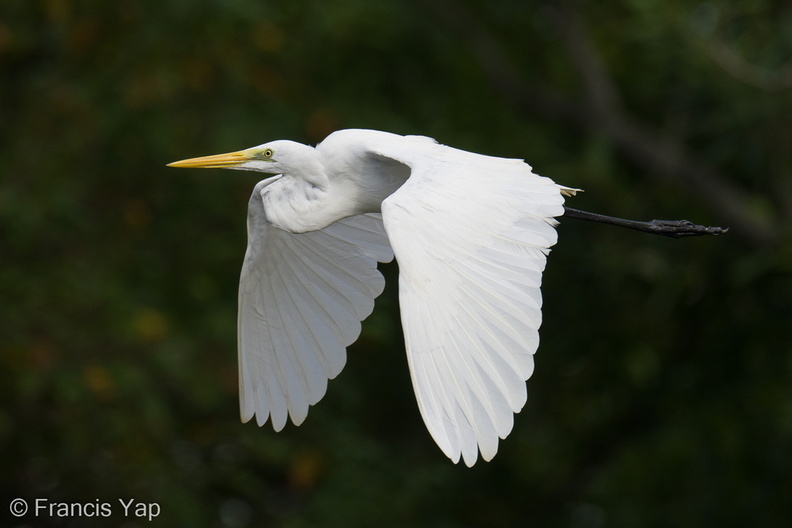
(230,159)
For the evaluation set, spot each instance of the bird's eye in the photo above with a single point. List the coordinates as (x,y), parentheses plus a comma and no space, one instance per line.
(267,153)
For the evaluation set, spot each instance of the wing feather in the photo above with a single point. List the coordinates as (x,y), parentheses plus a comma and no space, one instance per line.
(302,298)
(471,234)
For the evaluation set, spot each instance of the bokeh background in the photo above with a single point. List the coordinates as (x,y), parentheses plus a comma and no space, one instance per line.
(663,389)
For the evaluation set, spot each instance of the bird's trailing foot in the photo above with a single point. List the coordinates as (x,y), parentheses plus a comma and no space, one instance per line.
(669,228)
(682,228)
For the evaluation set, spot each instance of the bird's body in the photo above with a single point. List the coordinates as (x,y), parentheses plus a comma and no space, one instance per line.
(470,233)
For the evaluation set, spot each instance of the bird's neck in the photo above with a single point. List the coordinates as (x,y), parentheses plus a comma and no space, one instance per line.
(307,200)
(324,189)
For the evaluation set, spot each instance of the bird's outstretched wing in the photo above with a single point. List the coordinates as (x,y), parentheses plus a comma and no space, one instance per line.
(301,300)
(471,234)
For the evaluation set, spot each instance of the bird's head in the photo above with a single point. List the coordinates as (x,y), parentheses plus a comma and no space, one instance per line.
(275,157)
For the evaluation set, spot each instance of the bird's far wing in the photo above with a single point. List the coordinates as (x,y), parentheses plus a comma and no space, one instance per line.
(471,234)
(301,300)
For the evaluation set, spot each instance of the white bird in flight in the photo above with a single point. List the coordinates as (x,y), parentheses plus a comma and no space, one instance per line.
(470,233)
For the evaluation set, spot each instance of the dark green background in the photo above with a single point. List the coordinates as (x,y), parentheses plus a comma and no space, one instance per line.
(663,389)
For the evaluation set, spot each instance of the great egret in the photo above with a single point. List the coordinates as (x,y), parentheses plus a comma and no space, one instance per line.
(471,234)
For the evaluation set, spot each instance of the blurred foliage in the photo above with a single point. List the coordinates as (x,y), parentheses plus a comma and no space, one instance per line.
(663,393)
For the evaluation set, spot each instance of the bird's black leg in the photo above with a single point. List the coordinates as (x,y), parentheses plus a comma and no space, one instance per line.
(670,228)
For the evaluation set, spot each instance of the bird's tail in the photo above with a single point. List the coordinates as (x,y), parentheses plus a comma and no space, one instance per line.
(569,191)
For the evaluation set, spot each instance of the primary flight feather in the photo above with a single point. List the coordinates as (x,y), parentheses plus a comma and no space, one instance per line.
(471,235)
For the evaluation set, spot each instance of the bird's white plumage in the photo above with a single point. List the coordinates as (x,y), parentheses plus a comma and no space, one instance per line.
(470,233)
(301,300)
